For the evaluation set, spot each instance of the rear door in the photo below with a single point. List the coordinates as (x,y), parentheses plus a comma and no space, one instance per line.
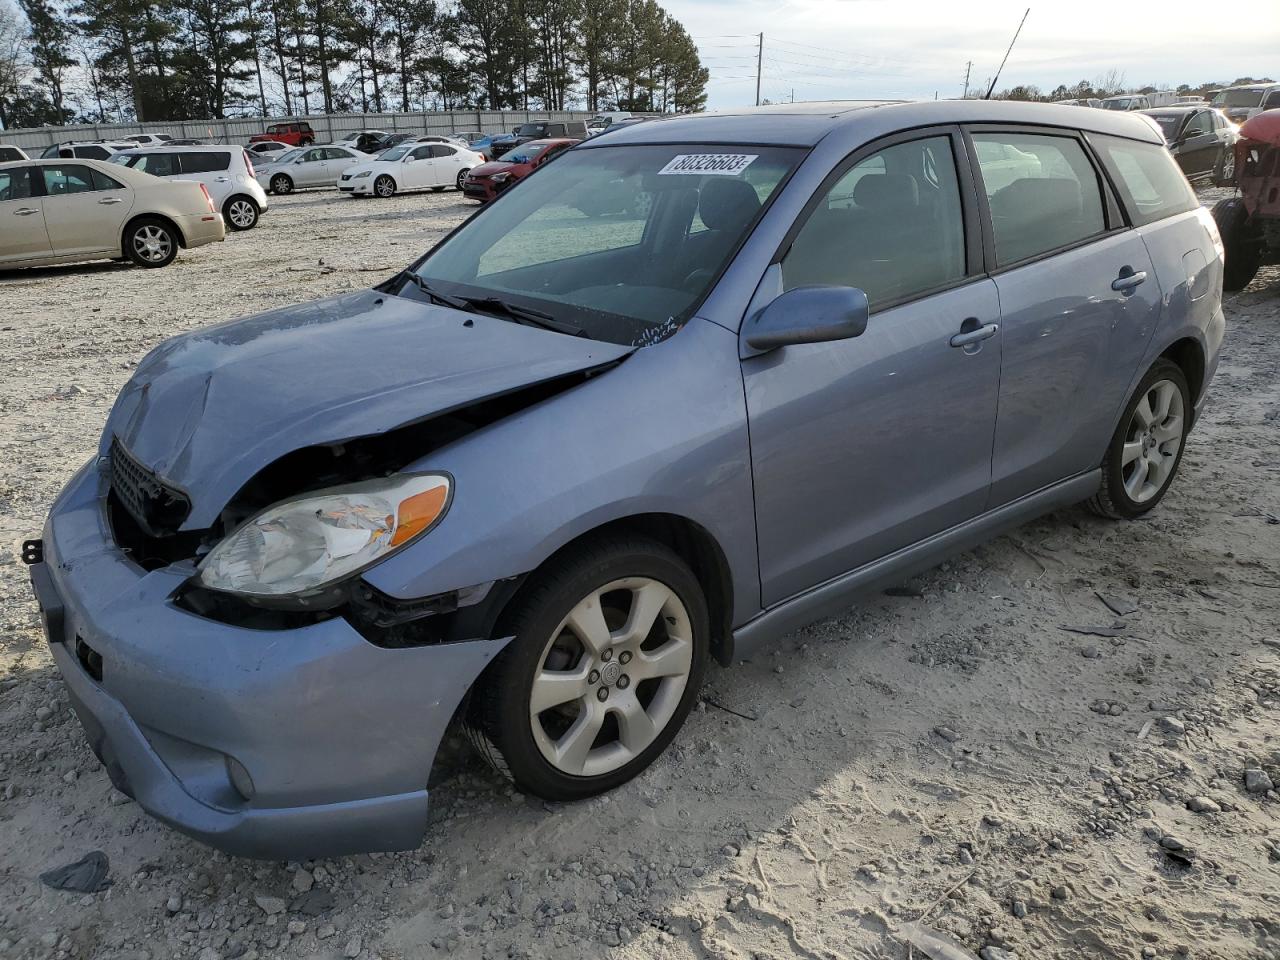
(446,164)
(1079,300)
(210,167)
(84,210)
(22,231)
(862,447)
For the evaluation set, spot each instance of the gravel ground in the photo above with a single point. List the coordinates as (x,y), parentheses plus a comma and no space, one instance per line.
(949,755)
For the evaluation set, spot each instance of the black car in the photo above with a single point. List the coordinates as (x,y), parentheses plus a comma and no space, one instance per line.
(542,130)
(1201,139)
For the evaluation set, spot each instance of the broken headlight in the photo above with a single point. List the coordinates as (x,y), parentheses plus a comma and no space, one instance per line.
(300,545)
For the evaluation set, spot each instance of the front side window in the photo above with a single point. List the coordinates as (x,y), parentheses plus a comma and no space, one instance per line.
(312,156)
(1197,125)
(15,184)
(1044,196)
(603,239)
(1150,183)
(66,179)
(422,153)
(892,226)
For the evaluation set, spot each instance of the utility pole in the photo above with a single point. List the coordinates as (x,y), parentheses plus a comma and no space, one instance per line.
(967,67)
(759,61)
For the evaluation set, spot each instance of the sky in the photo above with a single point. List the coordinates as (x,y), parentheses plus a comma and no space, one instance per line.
(854,49)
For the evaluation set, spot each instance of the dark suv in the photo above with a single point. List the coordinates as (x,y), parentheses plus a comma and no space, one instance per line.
(543,130)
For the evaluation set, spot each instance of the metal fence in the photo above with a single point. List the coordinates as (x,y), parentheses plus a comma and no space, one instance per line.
(328,127)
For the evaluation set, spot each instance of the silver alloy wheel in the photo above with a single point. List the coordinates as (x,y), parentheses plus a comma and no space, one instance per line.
(384,187)
(1152,441)
(1229,165)
(609,667)
(462,176)
(242,214)
(152,243)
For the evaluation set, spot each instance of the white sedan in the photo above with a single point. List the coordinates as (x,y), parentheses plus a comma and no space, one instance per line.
(410,166)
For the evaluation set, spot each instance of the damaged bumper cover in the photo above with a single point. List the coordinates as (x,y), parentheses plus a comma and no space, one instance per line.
(283,744)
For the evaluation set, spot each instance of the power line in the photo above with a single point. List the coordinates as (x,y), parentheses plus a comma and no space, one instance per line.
(846,54)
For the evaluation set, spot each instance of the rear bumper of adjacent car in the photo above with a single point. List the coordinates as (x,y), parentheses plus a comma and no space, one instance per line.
(201,228)
(285,744)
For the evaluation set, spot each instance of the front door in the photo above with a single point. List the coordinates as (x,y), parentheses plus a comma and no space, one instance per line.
(418,169)
(1079,300)
(22,232)
(1198,145)
(864,446)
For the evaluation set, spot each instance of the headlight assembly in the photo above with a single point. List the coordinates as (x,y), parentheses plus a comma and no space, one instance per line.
(362,174)
(301,545)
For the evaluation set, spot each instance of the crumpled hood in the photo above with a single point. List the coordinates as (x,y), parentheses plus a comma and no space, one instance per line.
(207,410)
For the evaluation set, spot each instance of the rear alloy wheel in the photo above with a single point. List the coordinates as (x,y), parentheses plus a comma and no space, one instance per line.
(462,178)
(1147,447)
(241,213)
(1225,174)
(609,651)
(384,187)
(281,184)
(150,243)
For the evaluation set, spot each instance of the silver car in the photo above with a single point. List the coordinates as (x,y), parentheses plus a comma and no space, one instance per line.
(691,385)
(304,167)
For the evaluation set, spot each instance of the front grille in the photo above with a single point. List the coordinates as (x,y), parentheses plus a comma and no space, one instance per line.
(158,508)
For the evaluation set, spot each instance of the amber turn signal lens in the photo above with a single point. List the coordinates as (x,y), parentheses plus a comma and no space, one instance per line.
(419,512)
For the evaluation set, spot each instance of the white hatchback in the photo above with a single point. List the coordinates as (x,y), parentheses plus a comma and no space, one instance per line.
(410,166)
(227,172)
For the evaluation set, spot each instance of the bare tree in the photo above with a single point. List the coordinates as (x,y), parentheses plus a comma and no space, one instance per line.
(12,62)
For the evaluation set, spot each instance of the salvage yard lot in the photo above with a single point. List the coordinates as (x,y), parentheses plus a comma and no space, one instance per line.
(949,753)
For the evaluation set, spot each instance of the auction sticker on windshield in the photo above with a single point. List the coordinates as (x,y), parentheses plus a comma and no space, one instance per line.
(719,164)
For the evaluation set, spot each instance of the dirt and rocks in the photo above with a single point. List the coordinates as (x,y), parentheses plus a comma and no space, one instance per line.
(1065,743)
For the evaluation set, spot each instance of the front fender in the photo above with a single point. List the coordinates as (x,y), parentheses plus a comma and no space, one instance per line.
(665,431)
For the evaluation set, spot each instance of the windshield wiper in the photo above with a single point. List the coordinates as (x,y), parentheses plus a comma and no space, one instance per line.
(535,318)
(434,295)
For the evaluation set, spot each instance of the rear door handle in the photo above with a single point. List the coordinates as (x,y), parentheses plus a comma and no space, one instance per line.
(968,338)
(107,201)
(26,211)
(1128,280)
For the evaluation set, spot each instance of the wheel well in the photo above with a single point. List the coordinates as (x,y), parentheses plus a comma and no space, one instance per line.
(696,547)
(1188,355)
(124,234)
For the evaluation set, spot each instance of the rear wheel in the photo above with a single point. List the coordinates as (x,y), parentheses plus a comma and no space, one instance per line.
(282,184)
(1147,446)
(384,187)
(241,213)
(609,651)
(1242,252)
(1224,174)
(150,242)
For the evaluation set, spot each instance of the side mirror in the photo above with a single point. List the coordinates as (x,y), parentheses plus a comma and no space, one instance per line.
(815,314)
(410,158)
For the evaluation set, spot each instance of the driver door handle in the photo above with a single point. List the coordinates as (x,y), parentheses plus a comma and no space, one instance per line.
(967,338)
(26,211)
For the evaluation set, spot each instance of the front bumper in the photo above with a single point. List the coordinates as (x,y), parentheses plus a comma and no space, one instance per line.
(336,734)
(362,186)
(482,190)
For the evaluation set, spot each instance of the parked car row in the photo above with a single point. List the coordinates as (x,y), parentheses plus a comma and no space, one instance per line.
(1201,139)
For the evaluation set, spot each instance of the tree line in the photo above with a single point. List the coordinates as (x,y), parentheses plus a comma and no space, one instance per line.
(1113,84)
(65,61)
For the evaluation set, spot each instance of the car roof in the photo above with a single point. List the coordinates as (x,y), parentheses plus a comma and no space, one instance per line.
(1176,109)
(805,124)
(189,147)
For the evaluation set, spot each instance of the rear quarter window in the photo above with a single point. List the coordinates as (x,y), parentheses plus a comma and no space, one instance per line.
(1150,184)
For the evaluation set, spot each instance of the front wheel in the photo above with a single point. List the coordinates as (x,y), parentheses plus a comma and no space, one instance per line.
(241,213)
(384,187)
(462,178)
(1145,451)
(150,243)
(610,646)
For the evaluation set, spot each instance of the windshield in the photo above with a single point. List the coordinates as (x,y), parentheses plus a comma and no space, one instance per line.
(1121,104)
(289,155)
(528,152)
(621,242)
(397,152)
(120,158)
(531,130)
(1250,97)
(1168,123)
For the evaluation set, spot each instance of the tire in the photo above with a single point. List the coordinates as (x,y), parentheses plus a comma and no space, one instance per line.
(1151,437)
(384,187)
(282,184)
(241,213)
(1224,172)
(150,242)
(1243,253)
(462,176)
(554,754)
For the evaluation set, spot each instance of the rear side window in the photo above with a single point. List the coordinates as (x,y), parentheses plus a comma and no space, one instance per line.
(157,164)
(205,162)
(15,184)
(442,151)
(1150,183)
(10,153)
(1042,191)
(892,226)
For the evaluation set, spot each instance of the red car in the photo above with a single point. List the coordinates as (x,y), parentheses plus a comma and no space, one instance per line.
(297,134)
(486,181)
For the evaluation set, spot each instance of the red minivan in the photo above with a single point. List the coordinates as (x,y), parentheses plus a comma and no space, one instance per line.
(294,134)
